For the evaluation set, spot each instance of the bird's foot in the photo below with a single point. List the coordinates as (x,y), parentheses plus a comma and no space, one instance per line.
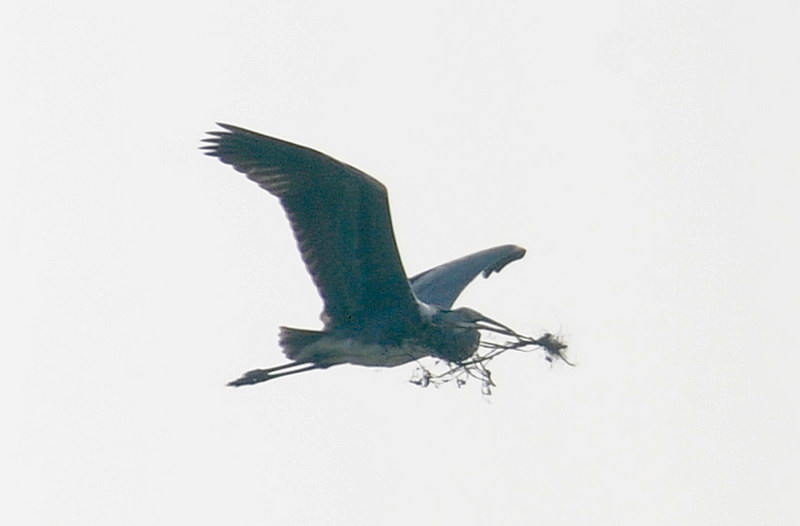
(252,377)
(262,375)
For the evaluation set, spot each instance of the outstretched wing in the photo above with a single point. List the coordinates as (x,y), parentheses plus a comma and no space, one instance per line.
(340,218)
(441,285)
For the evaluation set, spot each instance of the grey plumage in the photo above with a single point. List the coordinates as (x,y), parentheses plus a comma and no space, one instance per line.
(373,314)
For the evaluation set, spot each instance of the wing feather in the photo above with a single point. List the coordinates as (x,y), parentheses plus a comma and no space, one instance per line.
(443,284)
(340,219)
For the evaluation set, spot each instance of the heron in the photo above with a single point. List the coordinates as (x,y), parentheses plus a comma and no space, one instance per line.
(373,314)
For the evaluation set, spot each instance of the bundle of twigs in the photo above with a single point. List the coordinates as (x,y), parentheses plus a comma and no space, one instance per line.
(476,366)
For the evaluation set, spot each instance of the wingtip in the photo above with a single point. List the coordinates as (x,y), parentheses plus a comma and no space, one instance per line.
(515,252)
(517,249)
(231,128)
(217,134)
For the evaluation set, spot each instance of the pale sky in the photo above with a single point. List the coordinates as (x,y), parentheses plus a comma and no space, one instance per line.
(645,153)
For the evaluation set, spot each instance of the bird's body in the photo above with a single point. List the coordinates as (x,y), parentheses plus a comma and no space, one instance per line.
(373,314)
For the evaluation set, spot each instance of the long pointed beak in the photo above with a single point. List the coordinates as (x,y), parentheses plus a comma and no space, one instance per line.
(489,324)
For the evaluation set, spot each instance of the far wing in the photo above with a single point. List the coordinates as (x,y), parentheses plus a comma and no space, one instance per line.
(441,285)
(340,218)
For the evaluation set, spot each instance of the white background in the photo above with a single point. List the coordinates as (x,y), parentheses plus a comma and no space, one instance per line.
(645,153)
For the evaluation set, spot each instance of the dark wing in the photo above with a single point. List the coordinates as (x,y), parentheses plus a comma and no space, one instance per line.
(443,284)
(340,218)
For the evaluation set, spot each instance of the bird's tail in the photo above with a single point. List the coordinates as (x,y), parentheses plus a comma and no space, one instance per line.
(295,343)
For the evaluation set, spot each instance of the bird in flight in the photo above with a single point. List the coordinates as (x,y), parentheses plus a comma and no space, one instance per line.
(374,315)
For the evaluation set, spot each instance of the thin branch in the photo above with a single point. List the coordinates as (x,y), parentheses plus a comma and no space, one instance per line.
(476,366)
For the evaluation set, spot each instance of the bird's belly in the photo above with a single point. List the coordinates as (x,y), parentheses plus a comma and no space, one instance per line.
(332,351)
